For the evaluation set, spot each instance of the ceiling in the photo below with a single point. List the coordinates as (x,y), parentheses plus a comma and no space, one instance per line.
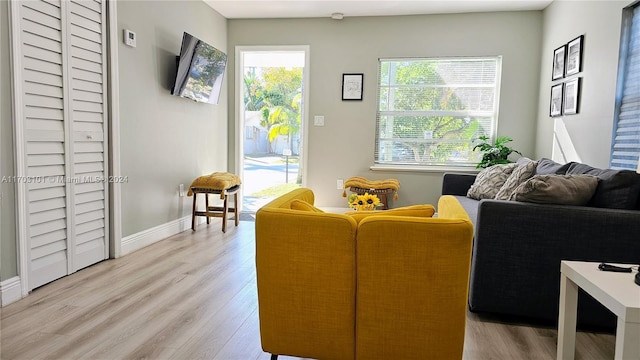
(254,9)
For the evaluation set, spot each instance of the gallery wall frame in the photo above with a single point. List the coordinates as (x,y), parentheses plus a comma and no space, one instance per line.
(559,56)
(555,107)
(571,98)
(573,63)
(352,86)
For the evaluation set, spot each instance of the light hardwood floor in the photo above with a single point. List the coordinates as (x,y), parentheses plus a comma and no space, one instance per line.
(193,296)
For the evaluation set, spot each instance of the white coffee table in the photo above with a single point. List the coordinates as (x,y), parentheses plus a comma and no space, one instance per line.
(616,291)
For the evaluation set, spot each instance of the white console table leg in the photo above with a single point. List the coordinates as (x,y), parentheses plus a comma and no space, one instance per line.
(627,340)
(568,312)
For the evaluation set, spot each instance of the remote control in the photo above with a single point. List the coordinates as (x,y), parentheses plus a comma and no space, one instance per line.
(609,267)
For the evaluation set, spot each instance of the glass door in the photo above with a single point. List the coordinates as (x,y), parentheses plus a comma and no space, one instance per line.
(272,113)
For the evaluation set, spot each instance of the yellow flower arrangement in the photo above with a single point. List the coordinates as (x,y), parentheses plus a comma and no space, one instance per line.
(363,202)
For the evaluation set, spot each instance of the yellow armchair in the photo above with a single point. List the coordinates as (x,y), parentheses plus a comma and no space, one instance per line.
(413,278)
(306,275)
(386,287)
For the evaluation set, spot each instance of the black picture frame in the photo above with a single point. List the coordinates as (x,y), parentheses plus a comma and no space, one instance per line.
(571,97)
(352,84)
(559,57)
(557,98)
(573,62)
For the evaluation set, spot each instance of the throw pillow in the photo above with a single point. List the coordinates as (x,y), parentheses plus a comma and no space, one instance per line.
(518,176)
(413,210)
(617,189)
(297,204)
(550,167)
(489,181)
(556,189)
(523,160)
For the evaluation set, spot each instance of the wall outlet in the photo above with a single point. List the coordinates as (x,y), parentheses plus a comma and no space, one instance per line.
(181,190)
(340,184)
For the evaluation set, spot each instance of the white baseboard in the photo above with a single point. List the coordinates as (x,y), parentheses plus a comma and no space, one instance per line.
(10,291)
(147,237)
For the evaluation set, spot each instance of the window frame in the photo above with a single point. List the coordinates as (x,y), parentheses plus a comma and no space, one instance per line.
(449,166)
(621,160)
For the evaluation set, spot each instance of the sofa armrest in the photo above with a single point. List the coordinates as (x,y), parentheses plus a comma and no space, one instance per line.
(457,183)
(518,248)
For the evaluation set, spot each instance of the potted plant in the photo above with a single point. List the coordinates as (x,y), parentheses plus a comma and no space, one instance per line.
(496,153)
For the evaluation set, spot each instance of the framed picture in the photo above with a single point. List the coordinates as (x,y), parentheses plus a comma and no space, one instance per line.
(352,86)
(555,108)
(574,56)
(558,62)
(571,100)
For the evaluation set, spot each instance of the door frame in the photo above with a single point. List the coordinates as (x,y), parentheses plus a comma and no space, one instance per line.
(239,111)
(20,165)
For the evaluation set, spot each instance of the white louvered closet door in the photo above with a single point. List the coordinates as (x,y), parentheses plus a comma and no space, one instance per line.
(63,60)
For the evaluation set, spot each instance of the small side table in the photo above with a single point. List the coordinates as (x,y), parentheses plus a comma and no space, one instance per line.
(616,291)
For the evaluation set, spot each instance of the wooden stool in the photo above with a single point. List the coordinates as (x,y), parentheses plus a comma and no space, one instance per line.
(216,211)
(381,193)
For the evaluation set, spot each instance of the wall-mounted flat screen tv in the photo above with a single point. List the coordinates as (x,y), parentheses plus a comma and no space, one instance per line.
(200,71)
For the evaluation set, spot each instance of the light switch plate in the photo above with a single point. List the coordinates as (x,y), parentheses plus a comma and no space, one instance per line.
(318,120)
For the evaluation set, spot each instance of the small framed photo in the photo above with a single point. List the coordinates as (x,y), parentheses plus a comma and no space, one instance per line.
(555,108)
(571,101)
(574,56)
(352,86)
(558,62)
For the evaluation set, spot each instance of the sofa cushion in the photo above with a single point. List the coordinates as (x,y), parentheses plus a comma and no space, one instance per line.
(556,189)
(617,189)
(523,172)
(550,167)
(412,210)
(489,181)
(302,205)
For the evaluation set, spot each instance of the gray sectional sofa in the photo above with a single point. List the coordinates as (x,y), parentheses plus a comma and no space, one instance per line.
(518,246)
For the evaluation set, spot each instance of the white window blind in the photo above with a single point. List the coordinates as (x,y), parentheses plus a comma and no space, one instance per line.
(431,110)
(626,134)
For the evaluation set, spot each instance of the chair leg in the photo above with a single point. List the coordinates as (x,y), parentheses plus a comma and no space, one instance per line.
(274,357)
(206,206)
(224,213)
(193,213)
(237,210)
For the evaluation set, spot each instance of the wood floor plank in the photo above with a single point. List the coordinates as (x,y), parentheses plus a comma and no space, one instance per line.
(193,296)
(243,344)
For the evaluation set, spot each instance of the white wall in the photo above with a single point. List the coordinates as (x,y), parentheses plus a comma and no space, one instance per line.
(344,146)
(585,137)
(165,140)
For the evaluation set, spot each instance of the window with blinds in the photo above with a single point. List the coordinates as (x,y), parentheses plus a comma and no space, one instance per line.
(431,110)
(626,132)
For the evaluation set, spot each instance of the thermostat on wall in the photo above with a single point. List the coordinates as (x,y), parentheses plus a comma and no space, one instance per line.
(130,38)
